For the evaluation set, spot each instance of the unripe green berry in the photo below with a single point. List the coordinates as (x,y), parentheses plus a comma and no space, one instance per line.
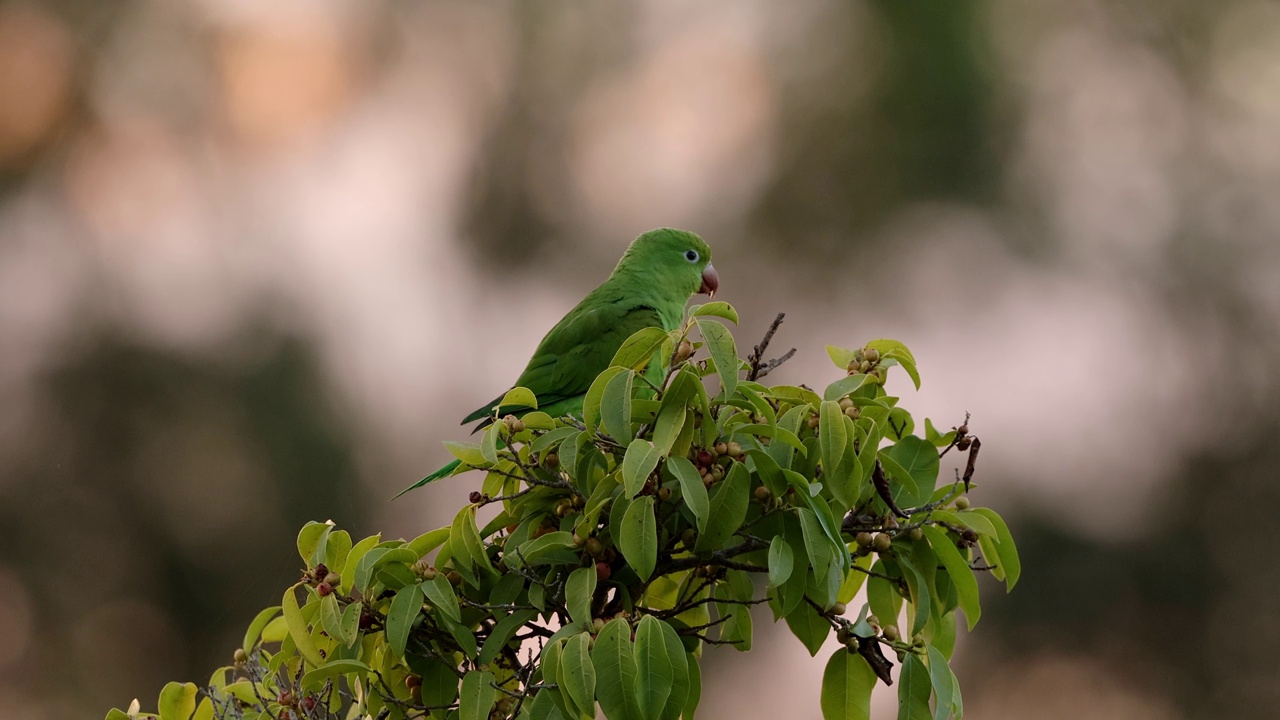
(916,534)
(734,450)
(890,632)
(881,542)
(962,503)
(863,539)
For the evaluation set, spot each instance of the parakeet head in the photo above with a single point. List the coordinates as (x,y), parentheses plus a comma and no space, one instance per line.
(674,258)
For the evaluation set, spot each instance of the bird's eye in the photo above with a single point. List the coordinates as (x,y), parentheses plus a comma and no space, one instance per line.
(691,255)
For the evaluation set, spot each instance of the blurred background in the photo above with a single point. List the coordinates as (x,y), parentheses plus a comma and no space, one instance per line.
(258,256)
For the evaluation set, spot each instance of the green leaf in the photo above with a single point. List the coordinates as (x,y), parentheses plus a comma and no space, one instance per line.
(959,570)
(939,439)
(637,350)
(846,385)
(653,668)
(468,452)
(840,356)
(692,489)
(177,701)
(816,544)
(914,690)
(298,629)
(255,628)
(595,395)
(489,443)
(720,345)
(781,561)
(309,538)
(638,539)
(615,407)
(404,609)
(118,714)
(945,688)
(477,697)
(695,689)
(315,678)
(915,461)
(639,461)
(668,426)
(728,508)
(1008,552)
(579,591)
(847,683)
(979,522)
(615,664)
(680,680)
(832,435)
(439,591)
(899,424)
(577,674)
(717,308)
(349,624)
(553,547)
(809,627)
(330,616)
(518,397)
(892,350)
(503,631)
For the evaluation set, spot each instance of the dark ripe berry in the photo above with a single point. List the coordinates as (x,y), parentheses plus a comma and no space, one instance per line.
(963,444)
(664,494)
(863,539)
(285,698)
(594,547)
(333,579)
(734,450)
(366,620)
(837,608)
(307,704)
(241,656)
(324,589)
(412,681)
(916,534)
(475,496)
(321,570)
(705,458)
(881,542)
(762,494)
(603,571)
(963,429)
(285,715)
(890,632)
(454,578)
(721,448)
(962,503)
(415,693)
(551,461)
(969,536)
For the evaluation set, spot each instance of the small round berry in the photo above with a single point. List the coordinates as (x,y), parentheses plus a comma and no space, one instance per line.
(721,448)
(475,496)
(734,450)
(664,494)
(762,494)
(837,608)
(890,632)
(863,539)
(594,547)
(916,534)
(323,589)
(333,579)
(962,503)
(241,656)
(551,461)
(603,571)
(881,542)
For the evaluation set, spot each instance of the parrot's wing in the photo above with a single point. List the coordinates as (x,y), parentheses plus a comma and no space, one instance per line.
(576,350)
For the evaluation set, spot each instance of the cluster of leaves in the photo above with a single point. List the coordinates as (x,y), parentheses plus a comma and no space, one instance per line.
(618,545)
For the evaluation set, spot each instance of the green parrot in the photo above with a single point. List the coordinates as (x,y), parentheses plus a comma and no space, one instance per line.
(650,286)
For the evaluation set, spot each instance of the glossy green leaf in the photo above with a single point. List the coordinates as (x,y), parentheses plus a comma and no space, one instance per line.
(728,509)
(716,308)
(177,701)
(945,688)
(719,343)
(591,402)
(314,679)
(653,668)
(477,697)
(914,690)
(518,397)
(440,593)
(579,591)
(638,537)
(468,452)
(298,629)
(958,568)
(1008,552)
(404,609)
(847,682)
(615,664)
(637,350)
(255,628)
(309,538)
(781,561)
(577,674)
(503,631)
(692,489)
(809,627)
(615,407)
(638,463)
(680,679)
(832,436)
(668,427)
(914,461)
(846,385)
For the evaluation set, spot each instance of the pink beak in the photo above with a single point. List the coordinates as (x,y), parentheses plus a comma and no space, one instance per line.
(710,281)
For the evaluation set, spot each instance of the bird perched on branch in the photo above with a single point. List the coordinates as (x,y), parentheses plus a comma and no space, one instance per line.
(650,286)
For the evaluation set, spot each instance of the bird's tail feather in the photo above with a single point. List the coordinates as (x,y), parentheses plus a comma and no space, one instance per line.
(445,471)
